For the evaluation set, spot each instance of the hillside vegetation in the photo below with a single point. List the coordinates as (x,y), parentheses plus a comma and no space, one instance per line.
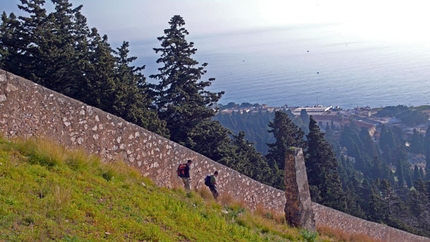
(49,193)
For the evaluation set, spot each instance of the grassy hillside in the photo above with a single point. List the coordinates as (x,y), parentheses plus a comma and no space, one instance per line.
(49,193)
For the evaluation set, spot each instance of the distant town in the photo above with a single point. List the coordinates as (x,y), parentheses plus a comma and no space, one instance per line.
(336,117)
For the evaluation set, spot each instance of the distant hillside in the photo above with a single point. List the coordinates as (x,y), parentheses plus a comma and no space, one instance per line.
(49,193)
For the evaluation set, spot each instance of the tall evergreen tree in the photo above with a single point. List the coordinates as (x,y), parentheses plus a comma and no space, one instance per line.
(251,163)
(417,142)
(427,152)
(368,146)
(59,51)
(47,48)
(322,169)
(130,99)
(351,140)
(400,174)
(211,139)
(386,140)
(304,116)
(181,98)
(287,135)
(377,208)
(417,174)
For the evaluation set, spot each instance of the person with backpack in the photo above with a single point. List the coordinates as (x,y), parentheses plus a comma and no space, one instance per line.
(184,173)
(210,181)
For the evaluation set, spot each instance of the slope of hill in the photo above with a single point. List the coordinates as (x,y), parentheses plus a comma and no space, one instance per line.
(49,193)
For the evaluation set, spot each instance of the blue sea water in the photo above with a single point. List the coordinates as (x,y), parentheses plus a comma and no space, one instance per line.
(309,65)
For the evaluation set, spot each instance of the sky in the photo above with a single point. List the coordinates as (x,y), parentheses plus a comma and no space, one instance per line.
(133,20)
(218,27)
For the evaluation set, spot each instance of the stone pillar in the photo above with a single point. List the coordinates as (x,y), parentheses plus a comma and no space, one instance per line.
(298,206)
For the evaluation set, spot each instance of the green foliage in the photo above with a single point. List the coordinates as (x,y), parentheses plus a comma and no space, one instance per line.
(287,135)
(417,142)
(308,236)
(409,116)
(59,51)
(253,124)
(322,170)
(251,163)
(210,139)
(181,96)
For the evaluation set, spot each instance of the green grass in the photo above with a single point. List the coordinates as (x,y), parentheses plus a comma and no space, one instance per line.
(49,193)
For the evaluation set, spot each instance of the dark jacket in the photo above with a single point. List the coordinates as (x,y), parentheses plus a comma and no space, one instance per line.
(186,171)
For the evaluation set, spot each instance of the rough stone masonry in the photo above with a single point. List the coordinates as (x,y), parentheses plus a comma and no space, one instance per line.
(298,206)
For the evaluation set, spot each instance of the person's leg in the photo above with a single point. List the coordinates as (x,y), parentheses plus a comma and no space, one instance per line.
(187,184)
(214,192)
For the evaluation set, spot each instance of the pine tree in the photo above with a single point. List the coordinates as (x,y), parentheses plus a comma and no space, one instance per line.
(377,207)
(59,51)
(21,38)
(253,164)
(9,44)
(322,169)
(212,140)
(130,99)
(287,135)
(181,98)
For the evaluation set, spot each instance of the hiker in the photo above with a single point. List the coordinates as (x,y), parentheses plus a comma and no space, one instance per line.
(210,181)
(184,174)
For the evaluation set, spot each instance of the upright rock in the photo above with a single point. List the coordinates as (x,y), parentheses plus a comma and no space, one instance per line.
(298,206)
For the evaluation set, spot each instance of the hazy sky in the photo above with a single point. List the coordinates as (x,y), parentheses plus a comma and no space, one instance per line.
(146,19)
(226,32)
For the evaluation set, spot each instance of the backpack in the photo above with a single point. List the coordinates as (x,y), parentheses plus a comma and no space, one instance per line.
(208,180)
(181,170)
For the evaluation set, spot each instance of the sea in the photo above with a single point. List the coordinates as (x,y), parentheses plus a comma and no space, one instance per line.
(309,65)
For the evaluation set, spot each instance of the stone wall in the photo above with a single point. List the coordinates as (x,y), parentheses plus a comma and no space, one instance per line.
(331,218)
(30,110)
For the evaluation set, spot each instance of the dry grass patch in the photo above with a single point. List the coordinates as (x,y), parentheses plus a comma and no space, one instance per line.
(339,235)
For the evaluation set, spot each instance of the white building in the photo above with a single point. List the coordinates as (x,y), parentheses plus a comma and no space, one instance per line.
(314,110)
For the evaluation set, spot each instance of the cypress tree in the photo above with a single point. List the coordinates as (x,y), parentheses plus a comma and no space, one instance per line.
(427,152)
(417,142)
(400,174)
(386,138)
